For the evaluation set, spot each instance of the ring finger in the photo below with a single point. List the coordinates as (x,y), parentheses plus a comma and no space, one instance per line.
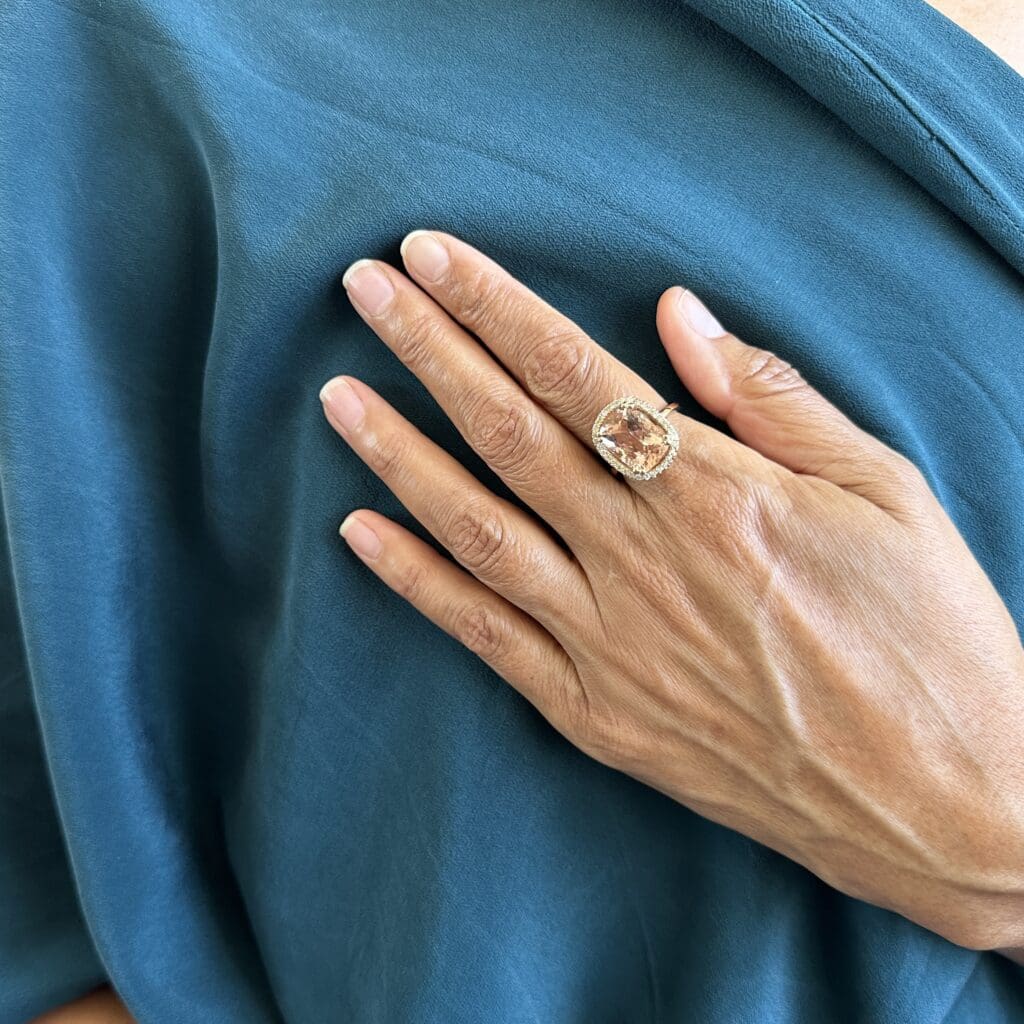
(523,443)
(499,543)
(554,359)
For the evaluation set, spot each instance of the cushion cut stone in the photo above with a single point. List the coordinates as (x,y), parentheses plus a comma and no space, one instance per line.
(634,438)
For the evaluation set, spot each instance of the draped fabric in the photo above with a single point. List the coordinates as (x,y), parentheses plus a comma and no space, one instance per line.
(239,778)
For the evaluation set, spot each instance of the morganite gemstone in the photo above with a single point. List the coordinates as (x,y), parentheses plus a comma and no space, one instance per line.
(630,435)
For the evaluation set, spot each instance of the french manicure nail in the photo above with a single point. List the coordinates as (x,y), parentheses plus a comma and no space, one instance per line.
(343,403)
(368,285)
(698,316)
(424,255)
(359,537)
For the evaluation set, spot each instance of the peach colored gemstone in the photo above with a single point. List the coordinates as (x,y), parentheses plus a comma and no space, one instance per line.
(631,436)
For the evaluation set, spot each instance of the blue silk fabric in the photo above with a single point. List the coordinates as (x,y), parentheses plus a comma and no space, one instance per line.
(242,780)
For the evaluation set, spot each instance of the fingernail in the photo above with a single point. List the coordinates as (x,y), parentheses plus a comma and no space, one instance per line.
(359,537)
(368,285)
(425,255)
(343,403)
(698,316)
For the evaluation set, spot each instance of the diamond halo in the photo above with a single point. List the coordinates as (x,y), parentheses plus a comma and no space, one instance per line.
(635,438)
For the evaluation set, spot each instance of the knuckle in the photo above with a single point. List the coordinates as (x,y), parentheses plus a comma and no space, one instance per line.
(503,432)
(764,373)
(480,299)
(389,455)
(418,337)
(483,630)
(731,516)
(756,551)
(479,539)
(563,365)
(412,581)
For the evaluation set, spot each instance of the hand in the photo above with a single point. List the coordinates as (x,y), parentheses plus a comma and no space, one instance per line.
(784,632)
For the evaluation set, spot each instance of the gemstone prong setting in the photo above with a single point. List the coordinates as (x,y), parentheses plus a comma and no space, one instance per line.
(635,438)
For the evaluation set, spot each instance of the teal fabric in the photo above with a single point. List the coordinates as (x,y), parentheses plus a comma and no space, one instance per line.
(241,779)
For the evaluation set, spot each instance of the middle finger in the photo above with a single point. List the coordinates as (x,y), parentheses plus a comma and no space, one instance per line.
(524,444)
(555,360)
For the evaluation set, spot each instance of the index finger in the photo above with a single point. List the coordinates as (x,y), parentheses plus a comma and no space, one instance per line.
(557,362)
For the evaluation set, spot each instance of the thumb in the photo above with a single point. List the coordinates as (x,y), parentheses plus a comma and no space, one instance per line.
(772,409)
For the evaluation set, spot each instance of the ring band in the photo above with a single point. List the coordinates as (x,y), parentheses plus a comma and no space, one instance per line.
(634,438)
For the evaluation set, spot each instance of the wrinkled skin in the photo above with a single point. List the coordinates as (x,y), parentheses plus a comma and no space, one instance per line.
(995,24)
(783,631)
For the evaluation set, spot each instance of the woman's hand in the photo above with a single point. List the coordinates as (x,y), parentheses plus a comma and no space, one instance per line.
(784,632)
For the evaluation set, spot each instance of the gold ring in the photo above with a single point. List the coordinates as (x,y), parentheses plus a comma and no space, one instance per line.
(634,438)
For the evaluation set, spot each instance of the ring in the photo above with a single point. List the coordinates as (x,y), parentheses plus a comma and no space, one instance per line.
(634,438)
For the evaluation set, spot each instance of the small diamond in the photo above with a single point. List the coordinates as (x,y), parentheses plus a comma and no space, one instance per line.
(634,438)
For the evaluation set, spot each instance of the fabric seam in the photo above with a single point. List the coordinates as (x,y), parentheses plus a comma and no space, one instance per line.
(907,103)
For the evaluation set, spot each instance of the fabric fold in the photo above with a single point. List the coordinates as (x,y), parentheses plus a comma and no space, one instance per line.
(242,780)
